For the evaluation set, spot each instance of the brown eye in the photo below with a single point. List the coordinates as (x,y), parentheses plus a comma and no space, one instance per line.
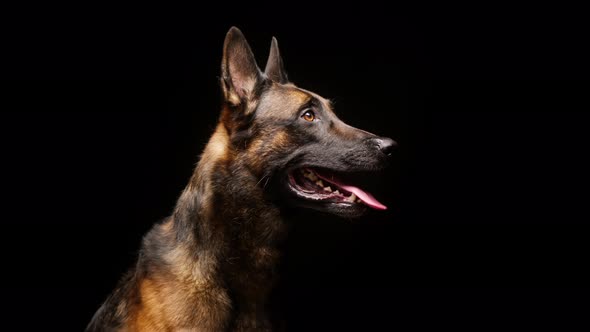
(308,116)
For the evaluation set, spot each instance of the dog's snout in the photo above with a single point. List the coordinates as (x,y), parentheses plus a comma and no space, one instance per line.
(385,145)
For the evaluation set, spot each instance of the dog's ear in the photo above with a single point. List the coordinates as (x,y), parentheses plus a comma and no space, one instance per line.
(239,72)
(274,66)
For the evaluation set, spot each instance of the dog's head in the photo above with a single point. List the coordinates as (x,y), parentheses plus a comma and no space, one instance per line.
(290,138)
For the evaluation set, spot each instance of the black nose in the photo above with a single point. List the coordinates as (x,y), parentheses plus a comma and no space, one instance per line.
(386,145)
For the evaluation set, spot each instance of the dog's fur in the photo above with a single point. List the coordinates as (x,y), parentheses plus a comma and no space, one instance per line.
(210,265)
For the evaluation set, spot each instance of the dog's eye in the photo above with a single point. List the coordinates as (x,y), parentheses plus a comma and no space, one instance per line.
(308,116)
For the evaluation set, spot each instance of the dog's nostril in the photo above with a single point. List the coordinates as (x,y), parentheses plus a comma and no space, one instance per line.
(386,145)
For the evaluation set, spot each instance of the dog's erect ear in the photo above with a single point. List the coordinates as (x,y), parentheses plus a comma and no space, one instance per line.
(239,72)
(274,66)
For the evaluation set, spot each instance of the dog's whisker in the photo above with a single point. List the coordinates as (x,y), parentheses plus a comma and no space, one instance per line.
(262,178)
(267,178)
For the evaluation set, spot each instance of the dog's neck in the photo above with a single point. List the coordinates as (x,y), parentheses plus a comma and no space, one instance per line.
(223,218)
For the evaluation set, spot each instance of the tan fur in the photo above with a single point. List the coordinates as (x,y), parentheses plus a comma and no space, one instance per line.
(215,150)
(284,98)
(162,307)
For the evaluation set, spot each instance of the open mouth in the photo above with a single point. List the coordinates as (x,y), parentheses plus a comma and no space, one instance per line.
(323,185)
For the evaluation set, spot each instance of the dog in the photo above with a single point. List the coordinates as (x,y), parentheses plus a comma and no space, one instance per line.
(210,266)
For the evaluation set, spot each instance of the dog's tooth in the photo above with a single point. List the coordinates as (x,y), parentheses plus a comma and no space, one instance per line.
(337,192)
(328,189)
(310,176)
(319,183)
(351,198)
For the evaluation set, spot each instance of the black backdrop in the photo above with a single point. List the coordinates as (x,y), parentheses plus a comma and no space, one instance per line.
(107,109)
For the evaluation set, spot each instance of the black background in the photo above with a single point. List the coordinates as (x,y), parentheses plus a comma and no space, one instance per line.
(106,109)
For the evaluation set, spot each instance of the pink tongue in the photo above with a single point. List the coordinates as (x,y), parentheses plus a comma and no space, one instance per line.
(363,196)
